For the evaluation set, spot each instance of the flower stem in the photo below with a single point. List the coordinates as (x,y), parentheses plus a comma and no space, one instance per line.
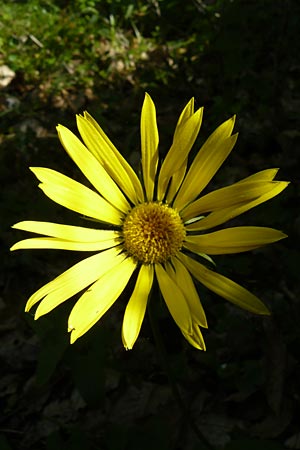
(166,367)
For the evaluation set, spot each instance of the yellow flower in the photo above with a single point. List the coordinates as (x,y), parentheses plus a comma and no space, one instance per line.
(151,227)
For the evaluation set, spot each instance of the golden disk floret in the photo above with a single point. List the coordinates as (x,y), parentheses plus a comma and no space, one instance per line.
(153,232)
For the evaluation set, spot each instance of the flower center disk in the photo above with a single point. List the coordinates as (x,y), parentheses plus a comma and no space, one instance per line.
(153,232)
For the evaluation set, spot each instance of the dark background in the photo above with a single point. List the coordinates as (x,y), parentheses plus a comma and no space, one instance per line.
(233,56)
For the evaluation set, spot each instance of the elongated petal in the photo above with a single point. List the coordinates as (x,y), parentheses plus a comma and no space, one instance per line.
(236,194)
(185,283)
(224,287)
(107,154)
(136,307)
(178,176)
(177,155)
(175,182)
(149,145)
(262,175)
(196,338)
(186,113)
(174,299)
(233,240)
(223,215)
(73,281)
(94,303)
(92,169)
(256,185)
(206,163)
(60,244)
(66,232)
(75,196)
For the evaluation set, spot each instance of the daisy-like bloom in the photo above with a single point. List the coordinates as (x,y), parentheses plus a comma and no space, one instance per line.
(153,228)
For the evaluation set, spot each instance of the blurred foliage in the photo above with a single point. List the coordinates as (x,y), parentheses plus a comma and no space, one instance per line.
(233,56)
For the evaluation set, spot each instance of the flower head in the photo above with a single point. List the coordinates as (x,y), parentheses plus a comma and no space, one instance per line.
(153,228)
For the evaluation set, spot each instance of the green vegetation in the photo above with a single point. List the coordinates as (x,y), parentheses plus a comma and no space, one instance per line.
(87,44)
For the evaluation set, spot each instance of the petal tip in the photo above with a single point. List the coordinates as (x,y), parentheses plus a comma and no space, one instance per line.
(283,235)
(39,312)
(263,311)
(34,170)
(147,98)
(15,225)
(73,337)
(127,347)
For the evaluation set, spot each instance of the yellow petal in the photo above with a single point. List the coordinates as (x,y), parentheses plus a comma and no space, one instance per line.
(174,299)
(186,113)
(233,240)
(112,161)
(262,175)
(60,244)
(176,157)
(136,307)
(224,287)
(196,338)
(178,176)
(75,196)
(94,303)
(236,194)
(65,237)
(206,163)
(73,281)
(149,145)
(185,283)
(92,169)
(66,232)
(223,215)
